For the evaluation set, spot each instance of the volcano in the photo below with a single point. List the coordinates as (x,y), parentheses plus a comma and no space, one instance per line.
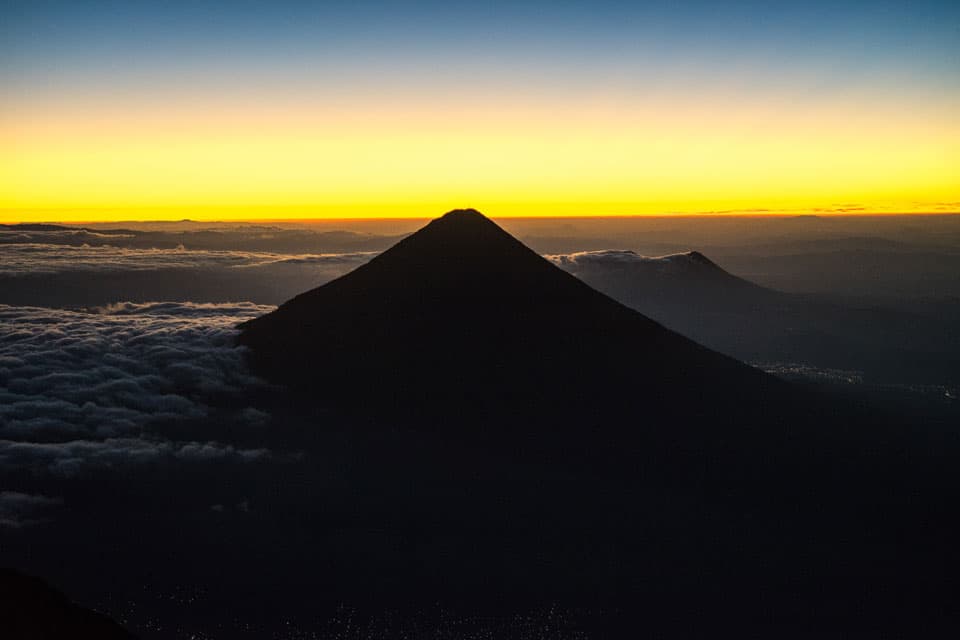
(690,280)
(461,321)
(513,436)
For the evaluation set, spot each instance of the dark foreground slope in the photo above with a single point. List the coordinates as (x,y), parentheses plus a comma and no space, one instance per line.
(518,439)
(31,609)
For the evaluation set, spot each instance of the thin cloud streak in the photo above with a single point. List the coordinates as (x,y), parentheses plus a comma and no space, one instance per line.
(37,258)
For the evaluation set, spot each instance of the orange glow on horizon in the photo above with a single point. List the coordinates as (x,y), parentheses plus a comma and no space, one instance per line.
(423,214)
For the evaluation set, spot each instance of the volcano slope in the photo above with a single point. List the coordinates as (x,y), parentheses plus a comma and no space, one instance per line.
(530,440)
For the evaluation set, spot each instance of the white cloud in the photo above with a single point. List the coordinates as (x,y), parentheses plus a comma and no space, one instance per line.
(80,388)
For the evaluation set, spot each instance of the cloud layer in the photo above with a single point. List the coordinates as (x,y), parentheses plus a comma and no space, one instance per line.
(42,259)
(44,275)
(83,388)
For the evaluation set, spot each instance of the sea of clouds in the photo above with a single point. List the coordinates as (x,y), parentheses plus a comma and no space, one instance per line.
(82,388)
(87,383)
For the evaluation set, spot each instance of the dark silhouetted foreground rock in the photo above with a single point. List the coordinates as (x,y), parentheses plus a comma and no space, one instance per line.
(30,609)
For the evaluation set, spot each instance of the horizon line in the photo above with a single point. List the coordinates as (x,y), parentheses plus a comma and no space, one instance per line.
(101,221)
(172,218)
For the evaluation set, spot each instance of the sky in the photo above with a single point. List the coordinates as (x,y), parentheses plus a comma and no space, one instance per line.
(204,110)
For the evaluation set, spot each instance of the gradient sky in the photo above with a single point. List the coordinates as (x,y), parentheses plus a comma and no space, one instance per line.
(285,109)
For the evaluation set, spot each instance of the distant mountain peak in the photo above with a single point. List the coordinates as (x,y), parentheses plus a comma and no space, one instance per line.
(687,259)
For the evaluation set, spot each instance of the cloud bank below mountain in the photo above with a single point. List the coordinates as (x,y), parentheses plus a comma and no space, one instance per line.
(81,389)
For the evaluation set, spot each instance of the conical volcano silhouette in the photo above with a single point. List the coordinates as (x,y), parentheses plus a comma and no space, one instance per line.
(463,320)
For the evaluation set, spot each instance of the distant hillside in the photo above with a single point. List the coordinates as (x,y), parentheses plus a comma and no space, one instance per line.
(690,293)
(690,278)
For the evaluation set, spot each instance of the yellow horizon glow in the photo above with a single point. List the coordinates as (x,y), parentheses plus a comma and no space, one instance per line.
(597,157)
(307,215)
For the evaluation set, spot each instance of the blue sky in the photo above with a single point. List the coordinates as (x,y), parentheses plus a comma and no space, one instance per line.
(817,71)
